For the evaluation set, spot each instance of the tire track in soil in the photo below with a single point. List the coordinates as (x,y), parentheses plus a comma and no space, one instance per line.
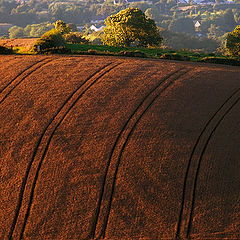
(20,73)
(25,73)
(43,143)
(185,218)
(106,194)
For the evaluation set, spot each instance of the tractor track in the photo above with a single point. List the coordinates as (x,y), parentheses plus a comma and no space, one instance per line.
(185,218)
(45,140)
(16,81)
(106,194)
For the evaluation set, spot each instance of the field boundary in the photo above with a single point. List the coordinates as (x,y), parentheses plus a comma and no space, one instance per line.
(185,218)
(110,177)
(43,144)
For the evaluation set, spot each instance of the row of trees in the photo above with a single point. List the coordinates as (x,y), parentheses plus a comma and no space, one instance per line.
(34,18)
(133,26)
(129,26)
(30,31)
(213,27)
(37,11)
(58,36)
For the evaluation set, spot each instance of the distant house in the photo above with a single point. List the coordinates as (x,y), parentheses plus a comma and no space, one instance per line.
(130,1)
(197,24)
(185,8)
(204,2)
(182,1)
(22,1)
(96,29)
(119,1)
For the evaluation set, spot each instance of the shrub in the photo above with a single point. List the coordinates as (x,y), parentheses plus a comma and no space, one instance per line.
(49,40)
(181,41)
(132,54)
(97,41)
(75,38)
(175,56)
(58,50)
(196,54)
(16,32)
(218,60)
(4,50)
(62,27)
(233,42)
(93,52)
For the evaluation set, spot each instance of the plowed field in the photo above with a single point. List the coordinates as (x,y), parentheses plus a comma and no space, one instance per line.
(100,147)
(25,43)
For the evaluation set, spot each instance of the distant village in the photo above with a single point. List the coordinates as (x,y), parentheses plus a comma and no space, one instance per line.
(186,23)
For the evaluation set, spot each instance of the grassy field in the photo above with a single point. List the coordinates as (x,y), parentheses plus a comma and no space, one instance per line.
(150,52)
(23,46)
(157,53)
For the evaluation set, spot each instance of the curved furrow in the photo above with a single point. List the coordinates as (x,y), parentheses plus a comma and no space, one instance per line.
(45,139)
(16,81)
(19,74)
(107,190)
(185,217)
(199,164)
(24,182)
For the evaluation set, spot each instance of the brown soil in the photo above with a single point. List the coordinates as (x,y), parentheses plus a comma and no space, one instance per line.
(26,43)
(100,147)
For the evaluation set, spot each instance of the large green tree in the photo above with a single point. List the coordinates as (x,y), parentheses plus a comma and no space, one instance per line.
(62,27)
(131,26)
(233,42)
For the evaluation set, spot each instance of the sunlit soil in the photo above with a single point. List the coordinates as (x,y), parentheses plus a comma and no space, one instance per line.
(118,148)
(25,43)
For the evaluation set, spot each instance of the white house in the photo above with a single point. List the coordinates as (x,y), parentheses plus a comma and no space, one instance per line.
(94,28)
(182,1)
(197,24)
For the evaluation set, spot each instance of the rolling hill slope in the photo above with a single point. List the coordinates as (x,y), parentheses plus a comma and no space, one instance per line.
(101,147)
